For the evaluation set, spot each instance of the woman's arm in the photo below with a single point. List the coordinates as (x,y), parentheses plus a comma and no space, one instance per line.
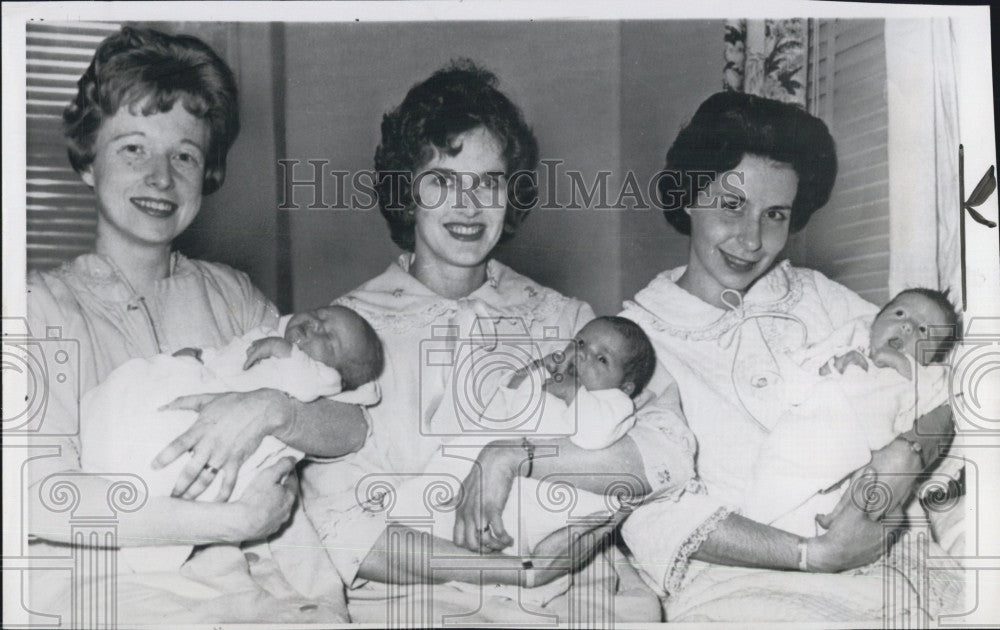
(655,456)
(478,522)
(264,506)
(231,426)
(410,559)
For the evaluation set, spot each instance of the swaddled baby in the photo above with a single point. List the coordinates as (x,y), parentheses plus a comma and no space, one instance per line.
(328,352)
(860,388)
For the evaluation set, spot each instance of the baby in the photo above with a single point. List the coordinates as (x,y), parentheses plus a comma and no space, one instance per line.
(328,352)
(585,391)
(861,387)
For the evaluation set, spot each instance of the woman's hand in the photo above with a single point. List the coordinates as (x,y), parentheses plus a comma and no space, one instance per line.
(853,539)
(478,519)
(890,480)
(268,500)
(570,548)
(229,429)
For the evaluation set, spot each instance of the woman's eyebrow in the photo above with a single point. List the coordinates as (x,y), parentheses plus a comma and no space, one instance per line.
(128,134)
(193,143)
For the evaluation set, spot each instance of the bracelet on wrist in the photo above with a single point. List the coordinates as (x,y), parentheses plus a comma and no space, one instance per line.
(530,450)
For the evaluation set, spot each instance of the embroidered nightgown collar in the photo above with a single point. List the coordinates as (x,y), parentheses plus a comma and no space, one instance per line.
(397,301)
(674,310)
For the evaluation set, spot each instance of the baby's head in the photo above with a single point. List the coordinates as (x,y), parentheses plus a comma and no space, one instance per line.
(340,338)
(912,315)
(612,353)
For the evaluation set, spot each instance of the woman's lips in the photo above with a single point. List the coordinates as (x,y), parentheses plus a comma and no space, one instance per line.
(159,208)
(466,231)
(737,264)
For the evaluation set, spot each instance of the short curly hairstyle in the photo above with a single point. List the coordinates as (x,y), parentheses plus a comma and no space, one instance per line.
(455,99)
(730,125)
(142,67)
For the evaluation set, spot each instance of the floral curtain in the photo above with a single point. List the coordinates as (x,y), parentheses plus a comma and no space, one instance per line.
(766,58)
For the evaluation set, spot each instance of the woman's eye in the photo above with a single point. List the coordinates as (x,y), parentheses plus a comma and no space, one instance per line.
(777,215)
(492,180)
(899,312)
(579,343)
(133,149)
(922,329)
(602,360)
(188,158)
(731,203)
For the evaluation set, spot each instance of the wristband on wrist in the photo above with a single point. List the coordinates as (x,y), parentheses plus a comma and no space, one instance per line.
(528,570)
(530,449)
(803,554)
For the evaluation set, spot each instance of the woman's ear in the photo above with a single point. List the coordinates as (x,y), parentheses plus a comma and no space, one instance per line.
(628,387)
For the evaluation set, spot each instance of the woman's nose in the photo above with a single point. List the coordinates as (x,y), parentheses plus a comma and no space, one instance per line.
(160,175)
(750,233)
(906,327)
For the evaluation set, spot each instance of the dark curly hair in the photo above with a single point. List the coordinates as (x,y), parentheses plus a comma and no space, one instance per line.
(145,67)
(455,99)
(730,125)
(641,362)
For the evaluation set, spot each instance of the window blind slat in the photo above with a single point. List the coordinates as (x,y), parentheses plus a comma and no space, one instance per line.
(848,239)
(61,218)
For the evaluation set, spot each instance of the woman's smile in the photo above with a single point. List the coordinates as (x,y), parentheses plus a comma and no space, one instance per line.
(737,264)
(159,208)
(466,231)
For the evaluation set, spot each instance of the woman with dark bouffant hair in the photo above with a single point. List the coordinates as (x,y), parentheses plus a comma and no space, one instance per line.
(149,130)
(455,169)
(739,178)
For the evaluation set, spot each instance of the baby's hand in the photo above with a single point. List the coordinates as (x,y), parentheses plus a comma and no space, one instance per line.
(561,385)
(189,352)
(267,348)
(889,357)
(522,373)
(851,358)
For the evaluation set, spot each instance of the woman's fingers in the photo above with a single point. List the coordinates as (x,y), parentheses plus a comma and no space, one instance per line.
(180,445)
(227,477)
(194,402)
(190,473)
(495,537)
(279,469)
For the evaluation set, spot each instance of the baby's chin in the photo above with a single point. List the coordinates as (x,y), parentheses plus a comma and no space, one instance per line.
(887,356)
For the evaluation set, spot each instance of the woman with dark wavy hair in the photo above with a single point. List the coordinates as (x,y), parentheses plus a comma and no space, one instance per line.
(747,172)
(149,130)
(455,178)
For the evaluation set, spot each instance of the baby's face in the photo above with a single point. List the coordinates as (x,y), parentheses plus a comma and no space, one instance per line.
(904,321)
(597,357)
(330,334)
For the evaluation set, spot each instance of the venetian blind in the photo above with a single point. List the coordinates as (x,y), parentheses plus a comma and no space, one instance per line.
(848,240)
(60,208)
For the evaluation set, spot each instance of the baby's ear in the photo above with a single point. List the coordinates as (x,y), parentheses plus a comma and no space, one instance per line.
(628,387)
